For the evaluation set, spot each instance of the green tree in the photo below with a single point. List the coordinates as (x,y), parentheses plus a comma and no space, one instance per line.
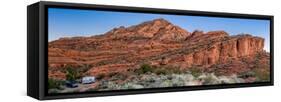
(71,73)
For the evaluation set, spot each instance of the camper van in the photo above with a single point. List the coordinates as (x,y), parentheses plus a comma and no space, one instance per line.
(88,80)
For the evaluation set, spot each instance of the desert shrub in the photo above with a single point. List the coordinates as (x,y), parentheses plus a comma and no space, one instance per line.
(262,75)
(121,76)
(178,71)
(209,79)
(112,85)
(168,70)
(102,85)
(260,72)
(117,76)
(131,86)
(152,80)
(71,73)
(145,68)
(54,84)
(174,70)
(166,83)
(115,86)
(195,71)
(247,74)
(159,71)
(181,79)
(262,69)
(230,79)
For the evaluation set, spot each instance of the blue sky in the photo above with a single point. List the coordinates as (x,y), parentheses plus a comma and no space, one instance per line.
(74,22)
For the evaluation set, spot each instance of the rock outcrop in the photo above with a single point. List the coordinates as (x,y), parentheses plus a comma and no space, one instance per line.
(230,48)
(158,29)
(158,42)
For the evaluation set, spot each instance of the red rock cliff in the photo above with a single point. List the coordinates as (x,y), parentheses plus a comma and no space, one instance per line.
(157,42)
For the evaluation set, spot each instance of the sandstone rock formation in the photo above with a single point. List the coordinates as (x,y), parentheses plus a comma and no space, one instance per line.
(157,42)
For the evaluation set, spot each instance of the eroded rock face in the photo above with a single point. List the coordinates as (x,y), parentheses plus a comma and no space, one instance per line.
(158,29)
(231,49)
(157,42)
(249,45)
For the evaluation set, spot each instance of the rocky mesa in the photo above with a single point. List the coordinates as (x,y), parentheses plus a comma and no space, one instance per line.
(158,43)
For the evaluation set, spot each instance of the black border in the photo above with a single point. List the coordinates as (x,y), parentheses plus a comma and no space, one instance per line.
(43,16)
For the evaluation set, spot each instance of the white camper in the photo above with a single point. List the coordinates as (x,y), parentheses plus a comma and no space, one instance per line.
(88,80)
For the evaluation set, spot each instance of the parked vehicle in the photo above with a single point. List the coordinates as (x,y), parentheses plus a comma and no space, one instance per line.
(88,80)
(71,84)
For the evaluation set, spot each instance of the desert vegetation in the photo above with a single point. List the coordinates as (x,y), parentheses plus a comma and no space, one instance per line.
(148,76)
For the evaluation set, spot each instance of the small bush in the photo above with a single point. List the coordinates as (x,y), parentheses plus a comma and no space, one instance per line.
(258,73)
(71,73)
(145,68)
(161,71)
(195,71)
(54,84)
(247,74)
(262,75)
(209,79)
(262,69)
(174,70)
